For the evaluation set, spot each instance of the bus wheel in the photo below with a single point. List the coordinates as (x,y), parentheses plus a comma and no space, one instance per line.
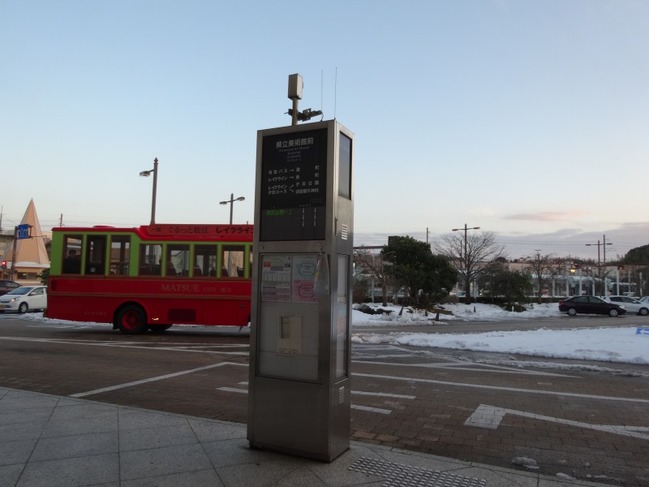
(131,320)
(159,328)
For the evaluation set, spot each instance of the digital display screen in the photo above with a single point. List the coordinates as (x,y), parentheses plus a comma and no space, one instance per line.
(345,166)
(293,186)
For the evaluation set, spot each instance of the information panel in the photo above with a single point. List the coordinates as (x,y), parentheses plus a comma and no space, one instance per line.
(293,186)
(289,278)
(299,385)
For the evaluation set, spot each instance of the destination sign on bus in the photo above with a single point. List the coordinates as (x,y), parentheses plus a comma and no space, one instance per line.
(207,230)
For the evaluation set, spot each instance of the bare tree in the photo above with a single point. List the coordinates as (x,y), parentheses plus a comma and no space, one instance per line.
(542,268)
(373,267)
(470,254)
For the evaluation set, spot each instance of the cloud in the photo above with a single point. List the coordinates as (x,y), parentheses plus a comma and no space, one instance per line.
(547,216)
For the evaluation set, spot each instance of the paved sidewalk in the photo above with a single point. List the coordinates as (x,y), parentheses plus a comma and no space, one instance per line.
(54,441)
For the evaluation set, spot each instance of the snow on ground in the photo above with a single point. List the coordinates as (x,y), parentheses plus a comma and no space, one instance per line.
(621,343)
(611,344)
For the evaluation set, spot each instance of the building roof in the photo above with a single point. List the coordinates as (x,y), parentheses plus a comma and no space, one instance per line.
(31,252)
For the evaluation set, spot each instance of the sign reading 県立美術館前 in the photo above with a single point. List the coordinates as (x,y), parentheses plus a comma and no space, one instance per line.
(293,186)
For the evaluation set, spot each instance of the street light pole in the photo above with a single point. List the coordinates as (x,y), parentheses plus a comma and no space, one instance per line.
(466,239)
(231,203)
(148,173)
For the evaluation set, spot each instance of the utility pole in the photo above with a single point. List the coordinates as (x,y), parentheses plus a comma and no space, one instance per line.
(12,273)
(466,259)
(605,243)
(600,244)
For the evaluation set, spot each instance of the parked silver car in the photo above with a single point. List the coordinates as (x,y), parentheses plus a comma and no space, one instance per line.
(24,299)
(632,305)
(644,300)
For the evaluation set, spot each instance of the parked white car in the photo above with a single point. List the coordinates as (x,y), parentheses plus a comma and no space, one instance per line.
(632,305)
(644,300)
(24,299)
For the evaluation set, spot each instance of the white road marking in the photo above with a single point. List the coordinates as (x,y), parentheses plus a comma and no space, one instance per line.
(468,366)
(153,379)
(232,389)
(500,388)
(352,406)
(486,416)
(134,345)
(371,410)
(383,394)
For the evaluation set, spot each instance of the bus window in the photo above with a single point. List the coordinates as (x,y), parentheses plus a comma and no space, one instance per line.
(95,254)
(177,260)
(233,261)
(120,246)
(72,255)
(150,257)
(205,260)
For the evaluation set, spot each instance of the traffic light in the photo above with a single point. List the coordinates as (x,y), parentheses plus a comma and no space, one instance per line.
(4,265)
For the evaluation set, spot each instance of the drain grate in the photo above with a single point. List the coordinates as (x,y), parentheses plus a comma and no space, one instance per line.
(398,475)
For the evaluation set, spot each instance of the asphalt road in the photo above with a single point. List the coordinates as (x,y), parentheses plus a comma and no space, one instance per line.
(584,419)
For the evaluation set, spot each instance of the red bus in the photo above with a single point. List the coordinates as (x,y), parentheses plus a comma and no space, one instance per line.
(151,277)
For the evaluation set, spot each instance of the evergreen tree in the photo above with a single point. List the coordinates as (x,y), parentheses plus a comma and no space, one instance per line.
(426,277)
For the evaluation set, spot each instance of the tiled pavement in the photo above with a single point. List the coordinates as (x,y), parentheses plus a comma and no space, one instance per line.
(52,441)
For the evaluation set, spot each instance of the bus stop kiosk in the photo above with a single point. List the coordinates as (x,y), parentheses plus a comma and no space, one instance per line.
(299,387)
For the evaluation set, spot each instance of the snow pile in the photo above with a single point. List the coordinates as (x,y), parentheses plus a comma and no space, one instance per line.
(610,344)
(451,312)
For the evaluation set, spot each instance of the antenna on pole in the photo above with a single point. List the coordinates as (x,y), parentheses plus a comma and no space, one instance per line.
(295,87)
(336,92)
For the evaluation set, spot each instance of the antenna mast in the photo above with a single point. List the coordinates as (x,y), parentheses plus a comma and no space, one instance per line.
(295,87)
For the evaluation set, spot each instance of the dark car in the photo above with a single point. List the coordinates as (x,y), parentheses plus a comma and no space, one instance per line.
(590,305)
(6,286)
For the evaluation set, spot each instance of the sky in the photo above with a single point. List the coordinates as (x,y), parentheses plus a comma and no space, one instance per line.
(526,119)
(626,343)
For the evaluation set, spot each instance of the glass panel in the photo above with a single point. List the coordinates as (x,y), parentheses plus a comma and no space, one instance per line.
(345,166)
(205,260)
(72,255)
(150,258)
(120,246)
(233,261)
(177,260)
(342,317)
(289,338)
(95,254)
